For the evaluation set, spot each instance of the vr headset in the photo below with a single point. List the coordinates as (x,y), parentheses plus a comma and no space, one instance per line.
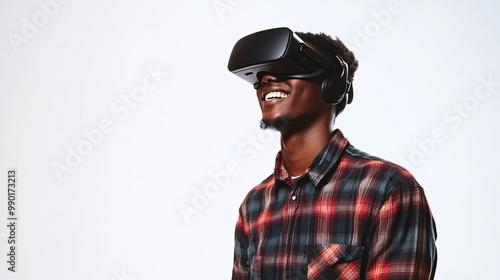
(282,53)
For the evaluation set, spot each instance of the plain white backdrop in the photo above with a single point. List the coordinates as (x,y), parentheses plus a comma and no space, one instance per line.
(134,146)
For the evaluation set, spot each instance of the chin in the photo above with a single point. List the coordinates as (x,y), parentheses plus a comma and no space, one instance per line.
(276,124)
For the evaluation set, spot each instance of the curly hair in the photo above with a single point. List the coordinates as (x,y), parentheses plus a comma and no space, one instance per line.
(329,47)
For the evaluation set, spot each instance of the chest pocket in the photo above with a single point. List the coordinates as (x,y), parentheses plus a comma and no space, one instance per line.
(334,261)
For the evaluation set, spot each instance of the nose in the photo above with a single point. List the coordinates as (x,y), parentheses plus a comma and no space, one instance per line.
(266,79)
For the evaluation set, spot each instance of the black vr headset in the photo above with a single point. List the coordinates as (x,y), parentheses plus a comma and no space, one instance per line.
(281,53)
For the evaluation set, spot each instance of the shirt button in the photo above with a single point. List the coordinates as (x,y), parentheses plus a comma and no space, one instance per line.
(294,197)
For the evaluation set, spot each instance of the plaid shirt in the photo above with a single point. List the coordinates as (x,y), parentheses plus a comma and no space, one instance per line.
(350,216)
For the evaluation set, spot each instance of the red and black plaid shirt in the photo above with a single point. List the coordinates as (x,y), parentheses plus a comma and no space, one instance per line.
(350,216)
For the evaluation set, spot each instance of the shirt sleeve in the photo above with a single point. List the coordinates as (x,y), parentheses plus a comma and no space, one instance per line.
(240,263)
(403,245)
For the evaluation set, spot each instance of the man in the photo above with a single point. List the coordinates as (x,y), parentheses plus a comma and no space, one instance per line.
(329,210)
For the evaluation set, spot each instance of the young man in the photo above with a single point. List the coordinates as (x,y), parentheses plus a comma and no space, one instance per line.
(329,210)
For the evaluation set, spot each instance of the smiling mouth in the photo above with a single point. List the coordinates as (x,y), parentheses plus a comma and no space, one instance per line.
(274,95)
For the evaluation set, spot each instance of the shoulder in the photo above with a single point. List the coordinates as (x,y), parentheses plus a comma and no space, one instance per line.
(374,174)
(258,193)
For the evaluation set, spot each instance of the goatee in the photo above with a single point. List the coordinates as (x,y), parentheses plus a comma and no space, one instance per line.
(276,124)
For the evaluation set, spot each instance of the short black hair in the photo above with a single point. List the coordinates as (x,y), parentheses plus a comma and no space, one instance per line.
(329,48)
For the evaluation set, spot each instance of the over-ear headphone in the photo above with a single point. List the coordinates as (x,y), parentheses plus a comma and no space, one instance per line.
(336,86)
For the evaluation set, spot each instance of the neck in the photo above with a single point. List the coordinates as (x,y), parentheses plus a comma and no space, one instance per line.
(299,149)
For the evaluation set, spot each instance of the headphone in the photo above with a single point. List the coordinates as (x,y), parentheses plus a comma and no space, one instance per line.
(284,54)
(335,86)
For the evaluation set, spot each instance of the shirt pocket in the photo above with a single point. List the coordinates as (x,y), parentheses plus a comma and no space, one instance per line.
(334,261)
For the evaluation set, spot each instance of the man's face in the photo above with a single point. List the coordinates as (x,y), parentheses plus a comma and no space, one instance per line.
(292,104)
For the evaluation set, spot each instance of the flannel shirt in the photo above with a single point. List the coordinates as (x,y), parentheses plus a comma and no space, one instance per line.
(349,216)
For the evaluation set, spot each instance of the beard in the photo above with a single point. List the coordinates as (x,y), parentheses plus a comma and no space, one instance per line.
(277,124)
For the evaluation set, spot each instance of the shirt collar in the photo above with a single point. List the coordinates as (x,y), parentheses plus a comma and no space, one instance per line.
(321,164)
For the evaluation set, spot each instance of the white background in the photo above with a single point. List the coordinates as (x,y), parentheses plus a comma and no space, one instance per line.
(113,211)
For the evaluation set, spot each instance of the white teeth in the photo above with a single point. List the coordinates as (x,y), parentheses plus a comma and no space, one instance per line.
(275,94)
